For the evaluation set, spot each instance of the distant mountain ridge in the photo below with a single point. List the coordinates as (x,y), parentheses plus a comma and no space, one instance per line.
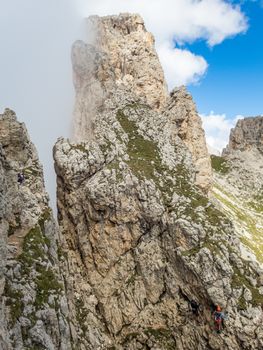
(239,187)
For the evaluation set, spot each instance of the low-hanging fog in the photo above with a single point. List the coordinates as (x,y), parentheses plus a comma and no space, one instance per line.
(35,69)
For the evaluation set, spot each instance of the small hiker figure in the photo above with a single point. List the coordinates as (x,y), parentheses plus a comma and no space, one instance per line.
(218,319)
(20,178)
(194,307)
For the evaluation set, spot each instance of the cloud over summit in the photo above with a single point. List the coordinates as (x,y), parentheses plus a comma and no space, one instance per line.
(179,22)
(217,128)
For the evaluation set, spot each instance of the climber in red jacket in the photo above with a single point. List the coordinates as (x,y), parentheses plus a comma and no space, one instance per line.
(218,319)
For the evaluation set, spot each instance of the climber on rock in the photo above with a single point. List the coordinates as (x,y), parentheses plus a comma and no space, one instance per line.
(194,307)
(20,178)
(218,319)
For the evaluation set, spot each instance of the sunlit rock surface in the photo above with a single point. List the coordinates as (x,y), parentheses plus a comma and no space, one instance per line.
(142,237)
(239,184)
(138,237)
(123,56)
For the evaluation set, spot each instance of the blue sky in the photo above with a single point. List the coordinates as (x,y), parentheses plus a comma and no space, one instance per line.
(233,83)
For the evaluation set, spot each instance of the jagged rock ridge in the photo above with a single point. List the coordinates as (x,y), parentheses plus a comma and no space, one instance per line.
(124,53)
(239,184)
(33,305)
(247,134)
(139,238)
(123,56)
(142,239)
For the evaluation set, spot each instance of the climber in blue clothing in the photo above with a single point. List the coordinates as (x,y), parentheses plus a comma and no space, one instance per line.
(20,178)
(219,317)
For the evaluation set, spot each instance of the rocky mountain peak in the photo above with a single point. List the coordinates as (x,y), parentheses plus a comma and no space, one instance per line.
(122,61)
(139,241)
(247,135)
(238,184)
(15,139)
(186,123)
(142,237)
(122,54)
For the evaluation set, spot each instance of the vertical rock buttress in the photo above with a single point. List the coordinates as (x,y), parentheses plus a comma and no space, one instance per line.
(33,306)
(142,237)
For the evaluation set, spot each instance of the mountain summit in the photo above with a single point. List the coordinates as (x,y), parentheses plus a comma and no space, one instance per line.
(145,251)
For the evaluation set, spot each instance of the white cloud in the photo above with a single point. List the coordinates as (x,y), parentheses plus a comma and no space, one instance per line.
(183,20)
(217,129)
(179,21)
(181,67)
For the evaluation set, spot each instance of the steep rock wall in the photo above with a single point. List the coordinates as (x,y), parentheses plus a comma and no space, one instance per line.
(238,184)
(247,134)
(143,240)
(185,122)
(122,53)
(33,305)
(123,56)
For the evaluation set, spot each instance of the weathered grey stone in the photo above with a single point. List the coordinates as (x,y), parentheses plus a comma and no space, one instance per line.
(30,279)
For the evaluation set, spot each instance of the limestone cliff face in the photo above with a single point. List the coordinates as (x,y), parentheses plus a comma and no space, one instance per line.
(143,240)
(239,184)
(244,157)
(33,306)
(138,237)
(123,57)
(247,134)
(123,54)
(186,123)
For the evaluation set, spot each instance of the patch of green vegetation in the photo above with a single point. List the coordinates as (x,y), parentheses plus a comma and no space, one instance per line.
(240,215)
(61,253)
(219,164)
(259,196)
(137,105)
(45,217)
(257,203)
(82,314)
(222,190)
(33,248)
(114,165)
(144,156)
(191,252)
(130,336)
(46,284)
(159,332)
(36,258)
(258,207)
(163,336)
(255,246)
(14,302)
(239,280)
(31,171)
(213,246)
(80,147)
(256,243)
(145,162)
(105,147)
